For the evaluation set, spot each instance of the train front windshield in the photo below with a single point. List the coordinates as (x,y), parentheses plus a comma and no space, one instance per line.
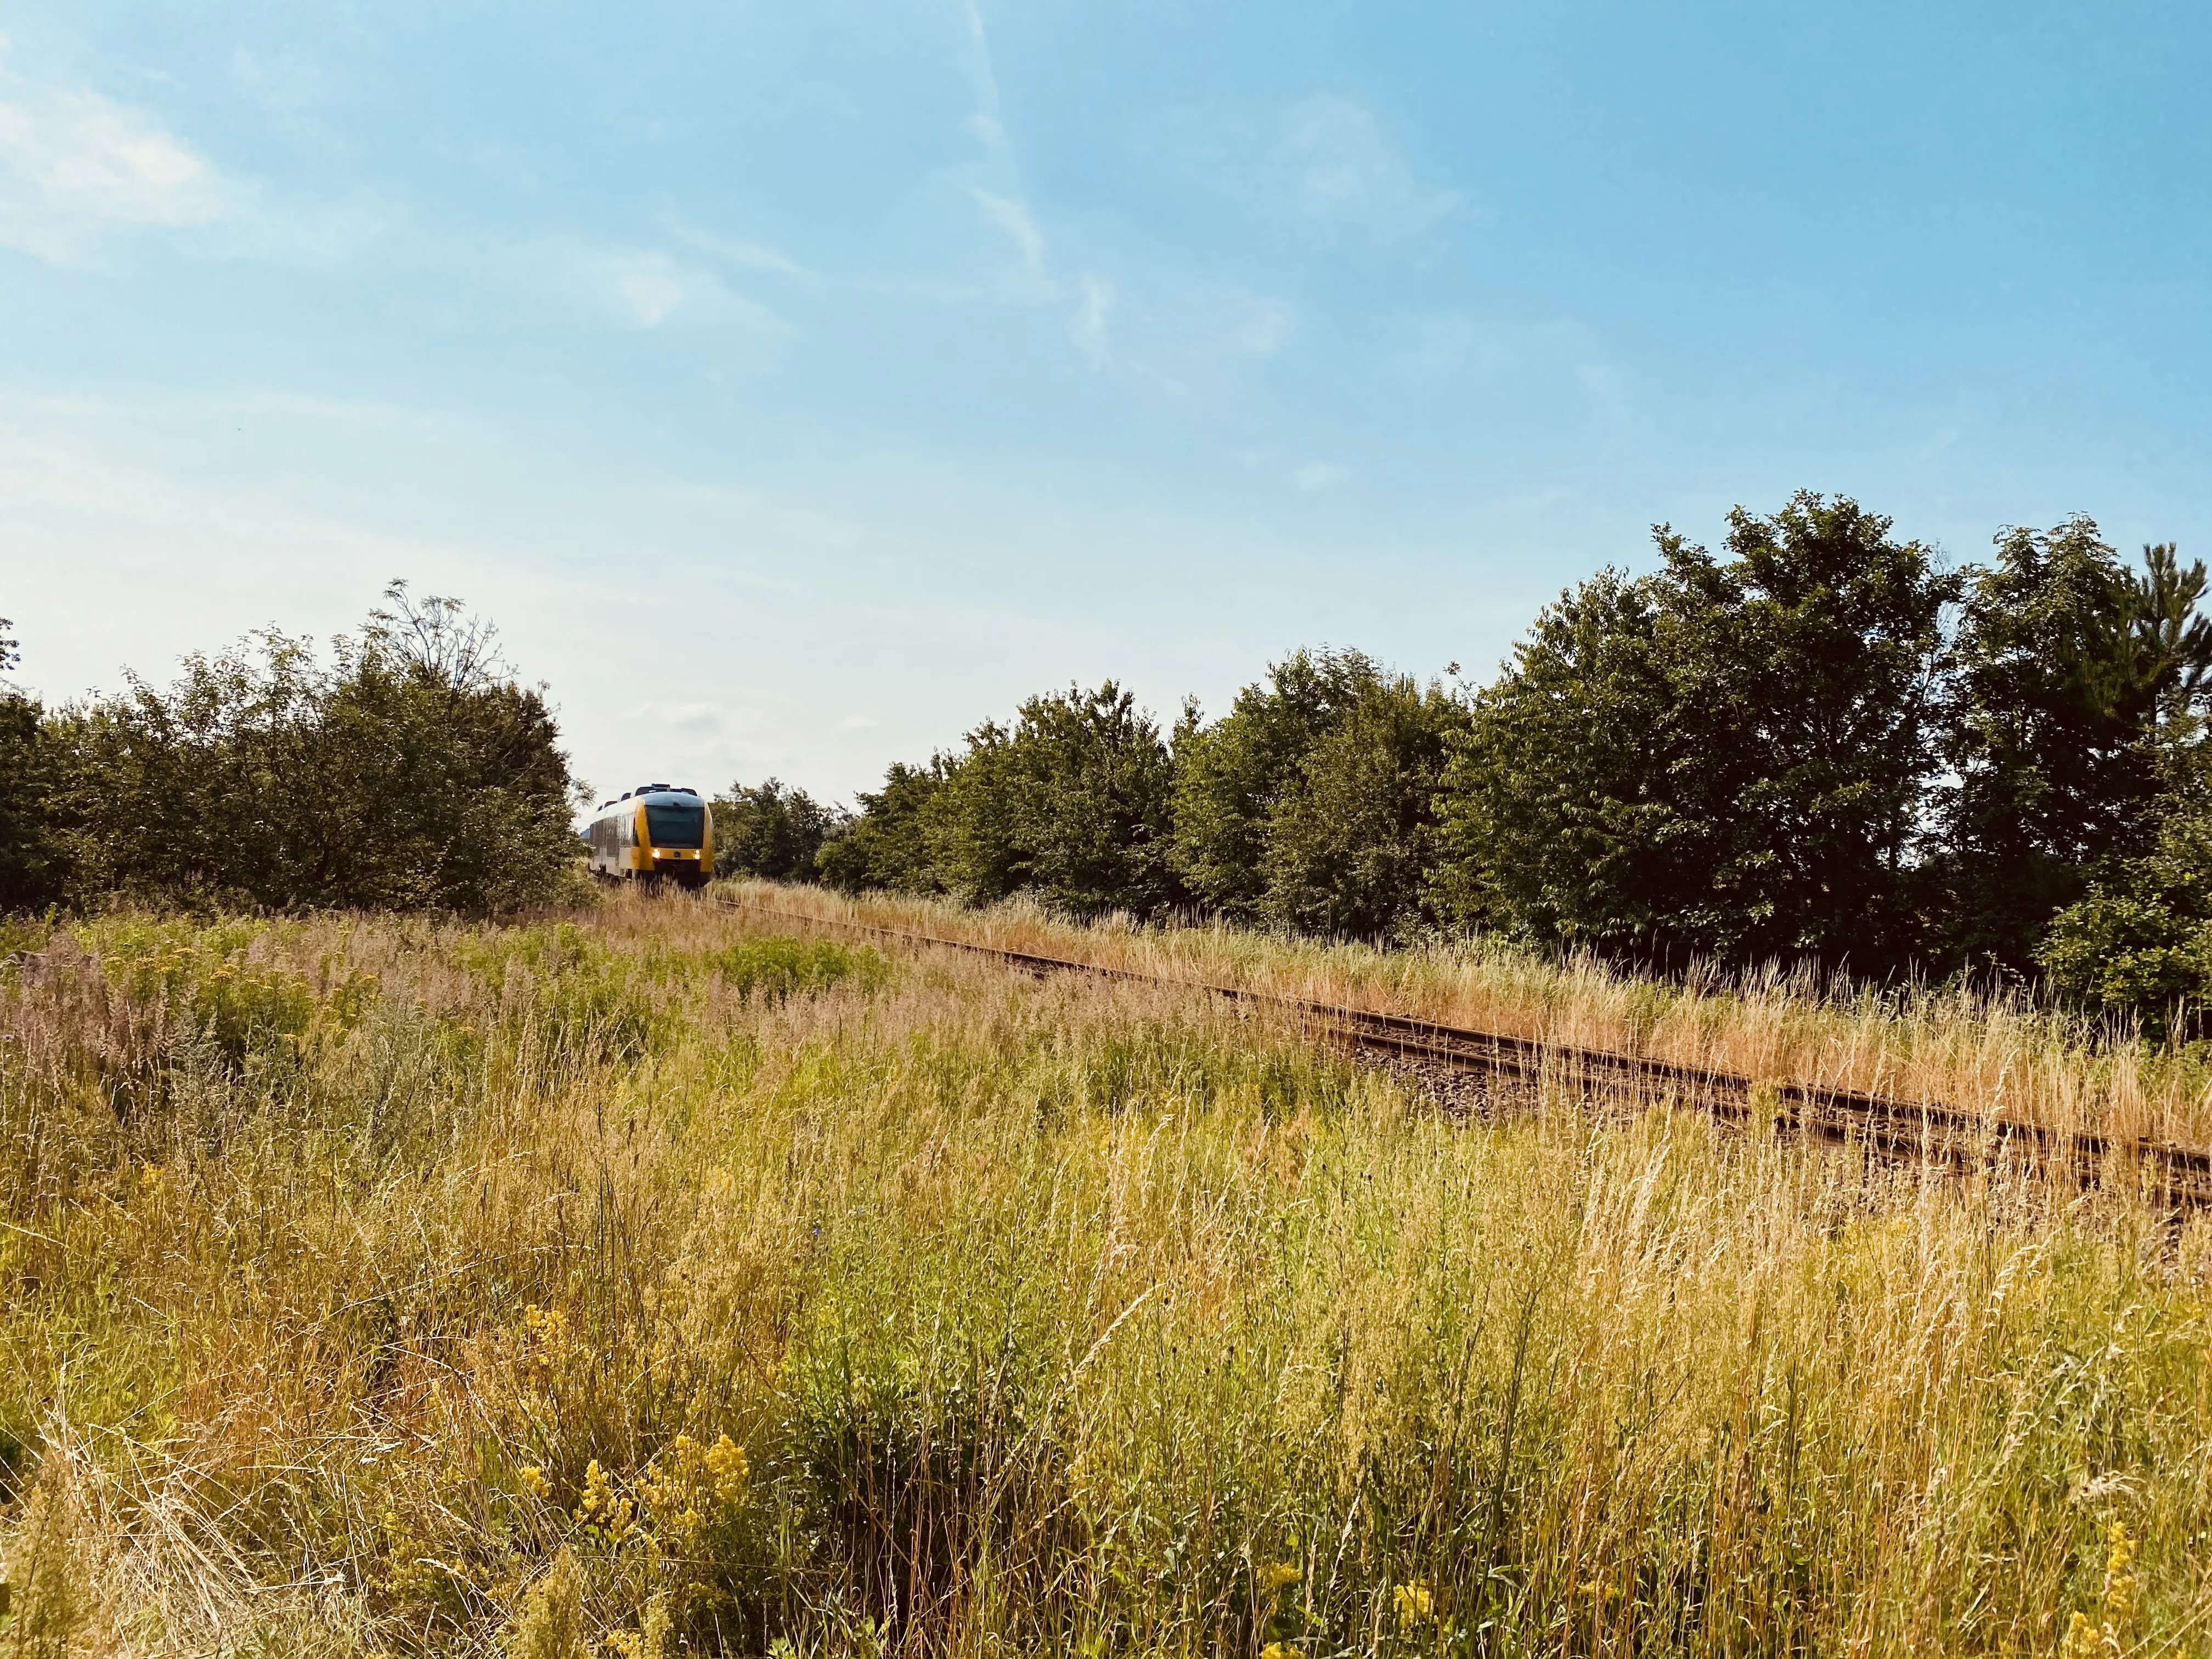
(673,825)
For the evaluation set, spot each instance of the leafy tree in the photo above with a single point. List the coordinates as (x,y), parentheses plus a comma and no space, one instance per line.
(1231,777)
(2139,939)
(770,830)
(2067,665)
(1552,819)
(1727,757)
(1073,803)
(1351,849)
(32,869)
(413,771)
(887,846)
(969,828)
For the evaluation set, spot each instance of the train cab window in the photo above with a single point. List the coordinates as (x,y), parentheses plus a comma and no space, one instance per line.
(676,824)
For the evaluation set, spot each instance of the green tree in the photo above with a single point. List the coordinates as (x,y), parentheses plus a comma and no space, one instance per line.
(33,873)
(972,827)
(1351,849)
(411,772)
(2138,941)
(1233,776)
(770,830)
(1727,757)
(1073,803)
(2067,666)
(887,846)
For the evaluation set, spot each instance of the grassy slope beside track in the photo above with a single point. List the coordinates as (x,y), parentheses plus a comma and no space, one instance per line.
(1993,1055)
(643,1278)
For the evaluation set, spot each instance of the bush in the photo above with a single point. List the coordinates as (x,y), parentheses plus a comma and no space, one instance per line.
(887,847)
(412,772)
(1731,757)
(2139,941)
(771,831)
(1073,803)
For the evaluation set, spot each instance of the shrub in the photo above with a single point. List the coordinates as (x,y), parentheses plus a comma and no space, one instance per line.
(771,832)
(412,772)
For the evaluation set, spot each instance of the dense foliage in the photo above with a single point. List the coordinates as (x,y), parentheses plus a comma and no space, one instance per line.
(1726,758)
(1311,804)
(1816,745)
(412,770)
(771,830)
(2072,678)
(1073,802)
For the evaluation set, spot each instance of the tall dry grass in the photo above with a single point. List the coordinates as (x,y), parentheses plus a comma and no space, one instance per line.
(1976,1048)
(645,1280)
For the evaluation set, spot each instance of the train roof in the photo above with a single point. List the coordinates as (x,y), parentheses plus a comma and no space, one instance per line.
(656,794)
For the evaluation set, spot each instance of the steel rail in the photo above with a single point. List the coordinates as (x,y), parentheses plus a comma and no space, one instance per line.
(2162,1173)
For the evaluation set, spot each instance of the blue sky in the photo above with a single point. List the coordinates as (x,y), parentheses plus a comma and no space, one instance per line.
(799,384)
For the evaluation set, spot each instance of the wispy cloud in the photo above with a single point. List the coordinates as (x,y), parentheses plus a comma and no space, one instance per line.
(1326,162)
(1307,477)
(1267,324)
(647,288)
(284,82)
(1456,344)
(1088,329)
(79,171)
(992,181)
(74,164)
(1012,214)
(1339,168)
(738,253)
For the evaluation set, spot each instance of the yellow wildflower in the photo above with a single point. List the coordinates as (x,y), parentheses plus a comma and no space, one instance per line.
(1416,1605)
(726,1462)
(2087,1639)
(533,1480)
(1279,1650)
(2119,1582)
(1275,1575)
(598,1510)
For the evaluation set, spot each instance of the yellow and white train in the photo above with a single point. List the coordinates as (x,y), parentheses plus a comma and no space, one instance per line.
(654,830)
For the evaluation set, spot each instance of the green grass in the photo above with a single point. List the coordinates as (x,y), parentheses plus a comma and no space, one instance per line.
(645,1281)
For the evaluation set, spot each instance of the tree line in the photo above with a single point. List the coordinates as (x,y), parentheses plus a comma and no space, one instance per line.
(410,769)
(1819,743)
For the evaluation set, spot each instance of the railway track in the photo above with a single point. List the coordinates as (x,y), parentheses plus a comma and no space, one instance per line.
(2176,1177)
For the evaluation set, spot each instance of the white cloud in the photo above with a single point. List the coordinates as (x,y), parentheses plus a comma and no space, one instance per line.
(646,288)
(74,163)
(1339,168)
(79,172)
(739,252)
(1012,215)
(1319,475)
(1088,329)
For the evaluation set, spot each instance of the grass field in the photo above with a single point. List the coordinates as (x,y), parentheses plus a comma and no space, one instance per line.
(1998,1054)
(644,1279)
